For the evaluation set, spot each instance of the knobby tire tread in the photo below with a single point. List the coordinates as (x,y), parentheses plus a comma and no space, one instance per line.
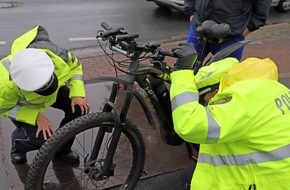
(50,147)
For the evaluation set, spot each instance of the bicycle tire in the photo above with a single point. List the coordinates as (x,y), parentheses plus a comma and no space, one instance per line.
(80,128)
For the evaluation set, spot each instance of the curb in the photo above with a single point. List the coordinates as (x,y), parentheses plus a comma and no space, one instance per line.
(271,32)
(275,44)
(265,33)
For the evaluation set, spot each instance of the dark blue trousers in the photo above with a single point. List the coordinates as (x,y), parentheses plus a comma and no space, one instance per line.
(214,47)
(24,136)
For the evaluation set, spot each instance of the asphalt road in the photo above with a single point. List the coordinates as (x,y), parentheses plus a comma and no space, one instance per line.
(73,24)
(70,21)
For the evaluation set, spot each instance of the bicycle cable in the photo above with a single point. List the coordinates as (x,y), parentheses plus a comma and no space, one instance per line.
(117,64)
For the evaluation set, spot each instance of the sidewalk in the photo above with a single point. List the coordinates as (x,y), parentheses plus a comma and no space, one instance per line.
(275,45)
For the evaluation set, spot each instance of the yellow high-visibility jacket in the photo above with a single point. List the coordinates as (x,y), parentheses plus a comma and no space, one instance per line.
(244,133)
(24,106)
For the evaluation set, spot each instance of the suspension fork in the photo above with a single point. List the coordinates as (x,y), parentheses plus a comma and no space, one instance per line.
(118,128)
(108,167)
(119,120)
(102,130)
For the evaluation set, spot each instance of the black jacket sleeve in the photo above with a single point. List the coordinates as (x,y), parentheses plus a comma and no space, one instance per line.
(260,12)
(189,7)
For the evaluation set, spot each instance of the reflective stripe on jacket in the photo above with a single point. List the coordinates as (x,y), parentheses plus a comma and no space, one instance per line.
(244,133)
(25,106)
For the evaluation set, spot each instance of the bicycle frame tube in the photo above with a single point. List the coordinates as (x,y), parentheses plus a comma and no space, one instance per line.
(153,102)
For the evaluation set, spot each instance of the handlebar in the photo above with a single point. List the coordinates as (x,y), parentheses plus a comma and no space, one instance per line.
(122,42)
(125,40)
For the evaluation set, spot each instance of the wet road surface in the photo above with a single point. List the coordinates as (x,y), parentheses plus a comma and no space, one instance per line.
(160,158)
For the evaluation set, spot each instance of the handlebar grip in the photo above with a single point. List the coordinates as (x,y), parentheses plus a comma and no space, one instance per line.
(112,32)
(126,37)
(106,26)
(167,53)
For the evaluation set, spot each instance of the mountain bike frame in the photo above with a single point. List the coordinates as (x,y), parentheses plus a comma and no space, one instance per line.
(127,85)
(153,101)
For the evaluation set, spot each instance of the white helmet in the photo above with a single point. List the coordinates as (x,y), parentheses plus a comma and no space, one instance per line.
(31,69)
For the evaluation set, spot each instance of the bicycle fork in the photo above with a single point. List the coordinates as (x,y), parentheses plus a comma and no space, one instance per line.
(107,168)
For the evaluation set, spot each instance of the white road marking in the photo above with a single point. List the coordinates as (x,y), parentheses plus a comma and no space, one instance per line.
(2,42)
(82,39)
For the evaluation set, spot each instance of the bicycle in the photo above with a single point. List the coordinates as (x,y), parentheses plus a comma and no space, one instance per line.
(116,154)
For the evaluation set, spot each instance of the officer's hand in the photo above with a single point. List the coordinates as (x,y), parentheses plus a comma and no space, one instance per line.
(44,126)
(186,56)
(84,105)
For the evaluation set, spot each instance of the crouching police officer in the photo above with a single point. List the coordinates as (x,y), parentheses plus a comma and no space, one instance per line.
(243,131)
(38,74)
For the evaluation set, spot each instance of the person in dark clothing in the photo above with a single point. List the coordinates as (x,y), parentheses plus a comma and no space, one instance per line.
(243,16)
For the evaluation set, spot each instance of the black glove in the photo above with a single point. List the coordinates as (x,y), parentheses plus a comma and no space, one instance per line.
(186,56)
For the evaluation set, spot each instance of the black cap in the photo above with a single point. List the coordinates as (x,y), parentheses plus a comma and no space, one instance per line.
(49,88)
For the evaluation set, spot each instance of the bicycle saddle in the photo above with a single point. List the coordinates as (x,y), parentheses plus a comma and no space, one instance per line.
(212,30)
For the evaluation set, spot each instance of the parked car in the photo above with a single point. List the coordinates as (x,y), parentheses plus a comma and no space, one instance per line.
(174,4)
(281,5)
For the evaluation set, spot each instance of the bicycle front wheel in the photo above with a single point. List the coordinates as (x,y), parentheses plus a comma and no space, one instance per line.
(48,172)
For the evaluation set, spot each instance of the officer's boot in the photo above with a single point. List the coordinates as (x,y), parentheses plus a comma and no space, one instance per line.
(16,155)
(70,156)
(66,153)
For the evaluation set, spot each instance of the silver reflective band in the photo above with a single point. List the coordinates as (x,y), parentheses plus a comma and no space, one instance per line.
(23,101)
(183,98)
(77,77)
(6,62)
(214,130)
(204,91)
(244,159)
(14,111)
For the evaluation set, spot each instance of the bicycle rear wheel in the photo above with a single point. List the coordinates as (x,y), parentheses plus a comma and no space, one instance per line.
(48,172)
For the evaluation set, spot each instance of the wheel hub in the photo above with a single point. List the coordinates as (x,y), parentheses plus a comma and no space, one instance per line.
(286,5)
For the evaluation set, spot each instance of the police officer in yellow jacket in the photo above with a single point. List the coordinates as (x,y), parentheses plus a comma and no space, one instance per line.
(243,131)
(38,74)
